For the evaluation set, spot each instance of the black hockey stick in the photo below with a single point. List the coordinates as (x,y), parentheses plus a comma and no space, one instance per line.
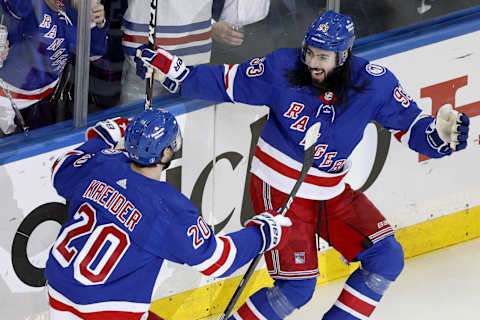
(151,45)
(309,147)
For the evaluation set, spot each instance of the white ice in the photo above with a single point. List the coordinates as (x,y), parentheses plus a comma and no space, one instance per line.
(441,285)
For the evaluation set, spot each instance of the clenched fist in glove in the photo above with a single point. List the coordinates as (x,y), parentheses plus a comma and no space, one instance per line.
(449,130)
(270,227)
(170,69)
(111,131)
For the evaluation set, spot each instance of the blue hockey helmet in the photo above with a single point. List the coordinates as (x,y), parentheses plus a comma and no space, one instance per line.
(149,133)
(331,31)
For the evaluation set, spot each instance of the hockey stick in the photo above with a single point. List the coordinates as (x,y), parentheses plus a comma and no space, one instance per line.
(309,147)
(151,45)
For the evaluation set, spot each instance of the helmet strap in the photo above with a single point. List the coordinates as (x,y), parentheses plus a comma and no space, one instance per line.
(165,164)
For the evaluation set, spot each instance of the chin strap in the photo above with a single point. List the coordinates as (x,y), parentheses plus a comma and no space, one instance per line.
(165,164)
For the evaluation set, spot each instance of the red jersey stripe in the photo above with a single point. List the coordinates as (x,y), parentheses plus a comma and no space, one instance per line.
(246,314)
(169,41)
(355,303)
(294,174)
(221,261)
(37,96)
(100,315)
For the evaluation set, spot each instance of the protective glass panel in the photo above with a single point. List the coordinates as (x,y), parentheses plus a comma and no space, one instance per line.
(38,45)
(375,16)
(243,31)
(34,50)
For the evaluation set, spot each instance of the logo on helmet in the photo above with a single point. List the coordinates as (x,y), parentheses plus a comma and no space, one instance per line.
(323,27)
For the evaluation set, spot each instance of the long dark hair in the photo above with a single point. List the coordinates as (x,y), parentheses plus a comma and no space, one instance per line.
(338,81)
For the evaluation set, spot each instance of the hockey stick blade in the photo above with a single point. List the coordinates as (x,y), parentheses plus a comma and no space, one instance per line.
(151,44)
(310,139)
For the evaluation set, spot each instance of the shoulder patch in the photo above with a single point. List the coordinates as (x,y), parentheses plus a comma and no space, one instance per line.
(375,69)
(111,151)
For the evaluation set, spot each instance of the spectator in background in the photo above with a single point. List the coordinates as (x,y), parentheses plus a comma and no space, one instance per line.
(106,73)
(42,36)
(183,27)
(236,21)
(257,27)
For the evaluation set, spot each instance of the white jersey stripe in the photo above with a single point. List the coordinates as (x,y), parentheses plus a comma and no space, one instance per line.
(254,310)
(277,273)
(217,255)
(230,259)
(213,258)
(59,162)
(360,295)
(285,184)
(124,306)
(380,232)
(230,72)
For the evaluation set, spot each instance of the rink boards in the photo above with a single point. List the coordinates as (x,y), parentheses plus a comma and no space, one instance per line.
(431,203)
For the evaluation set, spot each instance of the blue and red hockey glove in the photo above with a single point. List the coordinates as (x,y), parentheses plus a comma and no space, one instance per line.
(169,69)
(111,131)
(270,228)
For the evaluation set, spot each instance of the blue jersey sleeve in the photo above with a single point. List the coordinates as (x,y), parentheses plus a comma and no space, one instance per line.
(73,165)
(398,110)
(17,8)
(252,82)
(400,114)
(184,237)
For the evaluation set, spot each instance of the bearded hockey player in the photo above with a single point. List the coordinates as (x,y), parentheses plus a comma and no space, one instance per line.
(124,222)
(321,81)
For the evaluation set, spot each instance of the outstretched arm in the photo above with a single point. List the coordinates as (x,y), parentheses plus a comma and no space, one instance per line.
(196,245)
(248,82)
(430,136)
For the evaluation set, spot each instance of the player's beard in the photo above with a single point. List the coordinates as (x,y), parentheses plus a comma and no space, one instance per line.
(318,76)
(329,82)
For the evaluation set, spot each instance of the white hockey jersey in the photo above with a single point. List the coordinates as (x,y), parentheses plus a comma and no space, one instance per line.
(183,28)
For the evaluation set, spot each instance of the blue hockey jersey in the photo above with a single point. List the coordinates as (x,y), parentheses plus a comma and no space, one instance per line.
(279,153)
(122,226)
(41,42)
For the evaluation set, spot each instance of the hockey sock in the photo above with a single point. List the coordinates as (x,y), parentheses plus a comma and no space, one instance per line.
(278,301)
(356,301)
(256,307)
(381,263)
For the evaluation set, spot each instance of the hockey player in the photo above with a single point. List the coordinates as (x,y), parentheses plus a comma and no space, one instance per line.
(321,81)
(42,36)
(124,222)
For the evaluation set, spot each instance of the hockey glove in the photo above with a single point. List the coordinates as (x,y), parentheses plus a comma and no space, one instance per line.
(7,119)
(110,130)
(270,227)
(163,61)
(172,86)
(449,131)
